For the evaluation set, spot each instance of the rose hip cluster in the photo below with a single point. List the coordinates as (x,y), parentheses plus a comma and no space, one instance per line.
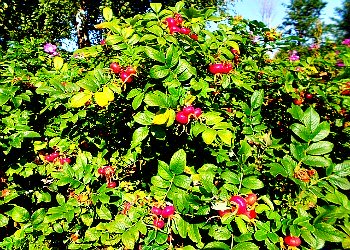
(175,26)
(186,113)
(160,214)
(108,172)
(242,206)
(56,157)
(125,74)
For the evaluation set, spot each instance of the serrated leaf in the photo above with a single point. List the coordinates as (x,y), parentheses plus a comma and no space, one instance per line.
(320,148)
(154,54)
(226,136)
(161,119)
(182,181)
(107,13)
(128,239)
(252,182)
(103,98)
(164,171)
(104,213)
(158,72)
(257,99)
(209,135)
(301,131)
(317,161)
(140,134)
(19,214)
(341,182)
(79,100)
(3,220)
(156,7)
(342,169)
(178,162)
(245,246)
(219,233)
(311,119)
(328,233)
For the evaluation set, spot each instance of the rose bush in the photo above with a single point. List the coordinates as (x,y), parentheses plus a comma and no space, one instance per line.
(96,154)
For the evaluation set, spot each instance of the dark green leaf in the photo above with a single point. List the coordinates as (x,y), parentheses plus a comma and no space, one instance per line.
(178,162)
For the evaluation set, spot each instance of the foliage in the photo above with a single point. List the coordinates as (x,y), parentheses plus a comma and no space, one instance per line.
(343,19)
(303,18)
(96,160)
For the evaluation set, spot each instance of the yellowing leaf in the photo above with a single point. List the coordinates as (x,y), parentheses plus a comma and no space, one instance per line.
(101,99)
(58,62)
(171,118)
(161,118)
(107,13)
(209,135)
(80,99)
(225,136)
(109,93)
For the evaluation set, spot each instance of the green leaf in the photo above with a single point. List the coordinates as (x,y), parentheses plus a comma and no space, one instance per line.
(159,182)
(216,245)
(80,99)
(301,131)
(252,182)
(3,220)
(311,119)
(128,239)
(245,150)
(296,112)
(328,233)
(155,29)
(219,233)
(91,234)
(104,213)
(156,99)
(154,54)
(320,148)
(144,118)
(341,182)
(209,135)
(140,134)
(182,181)
(193,233)
(19,214)
(257,99)
(137,101)
(321,132)
(156,7)
(342,169)
(316,161)
(107,13)
(158,72)
(178,162)
(172,56)
(164,171)
(226,136)
(245,246)
(276,169)
(181,226)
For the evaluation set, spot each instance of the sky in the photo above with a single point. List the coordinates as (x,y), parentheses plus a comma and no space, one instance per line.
(250,9)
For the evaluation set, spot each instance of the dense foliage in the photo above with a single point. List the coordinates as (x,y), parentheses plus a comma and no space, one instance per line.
(171,136)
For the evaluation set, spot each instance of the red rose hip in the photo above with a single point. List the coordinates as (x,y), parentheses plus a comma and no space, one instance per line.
(112,184)
(251,199)
(168,211)
(156,210)
(292,241)
(181,118)
(241,204)
(158,223)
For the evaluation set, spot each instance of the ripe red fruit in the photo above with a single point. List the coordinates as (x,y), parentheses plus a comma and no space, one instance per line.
(181,118)
(178,18)
(251,199)
(227,68)
(156,210)
(185,31)
(125,77)
(158,223)
(298,101)
(112,184)
(223,212)
(103,42)
(309,96)
(174,29)
(251,214)
(101,171)
(292,241)
(170,21)
(216,68)
(49,158)
(65,160)
(188,110)
(130,70)
(234,51)
(194,37)
(168,211)
(115,67)
(346,92)
(241,204)
(54,155)
(197,112)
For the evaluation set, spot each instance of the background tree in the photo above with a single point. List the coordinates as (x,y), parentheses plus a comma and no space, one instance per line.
(54,20)
(343,22)
(303,18)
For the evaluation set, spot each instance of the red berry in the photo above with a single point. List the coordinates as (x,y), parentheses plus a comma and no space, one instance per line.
(188,110)
(251,214)
(346,92)
(185,31)
(223,212)
(101,171)
(197,112)
(178,18)
(54,155)
(130,70)
(309,96)
(216,68)
(112,184)
(103,42)
(251,199)
(241,204)
(234,51)
(181,118)
(174,29)
(227,68)
(49,158)
(158,223)
(168,211)
(194,37)
(125,77)
(65,160)
(298,101)
(292,241)
(170,21)
(115,67)
(156,210)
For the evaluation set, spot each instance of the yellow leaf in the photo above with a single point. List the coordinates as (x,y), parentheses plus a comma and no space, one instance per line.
(58,62)
(101,99)
(109,93)
(160,119)
(80,99)
(171,118)
(107,13)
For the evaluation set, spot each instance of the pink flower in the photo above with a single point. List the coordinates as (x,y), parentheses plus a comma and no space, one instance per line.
(340,63)
(293,55)
(314,46)
(346,42)
(50,48)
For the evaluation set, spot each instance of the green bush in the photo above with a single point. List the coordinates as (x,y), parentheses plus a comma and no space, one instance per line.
(96,156)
